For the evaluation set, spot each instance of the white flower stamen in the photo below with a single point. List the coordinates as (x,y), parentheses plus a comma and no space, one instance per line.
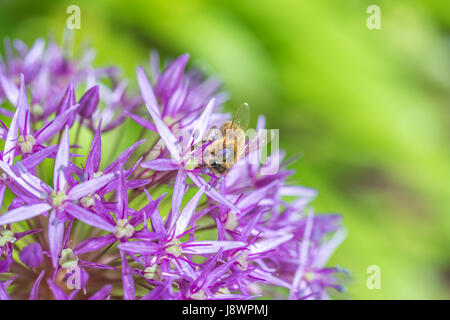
(153,272)
(68,259)
(199,295)
(6,236)
(123,229)
(175,248)
(232,221)
(89,201)
(26,144)
(58,198)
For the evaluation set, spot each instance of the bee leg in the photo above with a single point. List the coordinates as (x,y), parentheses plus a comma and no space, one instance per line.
(215,182)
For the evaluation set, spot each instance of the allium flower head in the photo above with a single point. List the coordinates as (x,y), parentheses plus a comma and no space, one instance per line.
(96,231)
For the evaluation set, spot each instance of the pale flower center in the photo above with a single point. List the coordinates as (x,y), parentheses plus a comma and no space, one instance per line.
(190,164)
(68,259)
(199,295)
(309,276)
(168,120)
(123,229)
(152,273)
(242,262)
(175,248)
(26,144)
(98,174)
(6,236)
(58,198)
(254,288)
(89,201)
(232,221)
(37,110)
(223,290)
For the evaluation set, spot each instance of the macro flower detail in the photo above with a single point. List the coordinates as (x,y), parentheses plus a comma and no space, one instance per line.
(84,218)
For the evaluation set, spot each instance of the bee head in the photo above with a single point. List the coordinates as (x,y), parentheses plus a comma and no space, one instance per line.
(216,165)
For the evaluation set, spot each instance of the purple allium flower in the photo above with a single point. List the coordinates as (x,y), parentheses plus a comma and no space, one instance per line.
(112,232)
(31,255)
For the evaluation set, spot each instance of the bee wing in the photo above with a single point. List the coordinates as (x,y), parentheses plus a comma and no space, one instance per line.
(242,116)
(211,134)
(260,140)
(292,159)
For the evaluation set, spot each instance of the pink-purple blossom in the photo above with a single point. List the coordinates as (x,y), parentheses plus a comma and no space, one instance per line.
(107,232)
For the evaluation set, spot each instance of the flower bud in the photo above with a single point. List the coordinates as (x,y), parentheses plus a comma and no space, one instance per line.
(89,102)
(31,255)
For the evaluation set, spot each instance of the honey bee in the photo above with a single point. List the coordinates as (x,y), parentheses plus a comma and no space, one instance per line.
(228,144)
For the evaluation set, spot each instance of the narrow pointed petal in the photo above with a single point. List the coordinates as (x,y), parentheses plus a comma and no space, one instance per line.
(139,247)
(57,292)
(185,217)
(8,282)
(95,265)
(177,196)
(36,158)
(303,254)
(154,64)
(270,279)
(54,126)
(61,162)
(11,139)
(4,131)
(55,237)
(161,165)
(3,293)
(90,186)
(146,90)
(146,235)
(34,54)
(255,197)
(102,293)
(202,123)
(269,244)
(171,78)
(24,109)
(177,99)
(88,217)
(94,244)
(34,293)
(93,159)
(20,235)
(155,217)
(166,135)
(207,247)
(298,191)
(141,121)
(25,181)
(127,279)
(212,193)
(9,88)
(123,157)
(2,193)
(24,213)
(328,248)
(122,196)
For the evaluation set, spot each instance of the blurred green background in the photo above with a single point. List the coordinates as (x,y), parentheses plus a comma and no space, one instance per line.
(368,109)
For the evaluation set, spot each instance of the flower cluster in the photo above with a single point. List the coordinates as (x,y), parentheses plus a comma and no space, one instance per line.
(102,232)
